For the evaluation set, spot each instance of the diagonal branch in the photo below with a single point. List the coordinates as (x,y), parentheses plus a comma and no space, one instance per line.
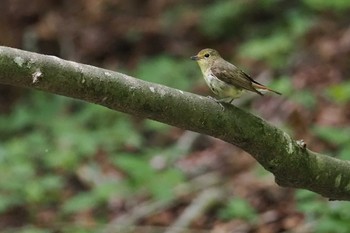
(292,163)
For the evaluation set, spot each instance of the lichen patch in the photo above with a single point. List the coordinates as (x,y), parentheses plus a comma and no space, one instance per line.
(19,61)
(36,75)
(337,181)
(289,143)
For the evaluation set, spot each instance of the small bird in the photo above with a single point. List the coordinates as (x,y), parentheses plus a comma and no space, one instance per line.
(225,79)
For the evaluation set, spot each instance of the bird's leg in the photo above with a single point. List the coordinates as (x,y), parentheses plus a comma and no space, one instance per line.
(217,101)
(228,100)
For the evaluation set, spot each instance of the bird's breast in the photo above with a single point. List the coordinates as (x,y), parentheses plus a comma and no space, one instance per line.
(221,88)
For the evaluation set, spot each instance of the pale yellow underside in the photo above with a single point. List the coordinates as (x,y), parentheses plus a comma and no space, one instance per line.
(220,88)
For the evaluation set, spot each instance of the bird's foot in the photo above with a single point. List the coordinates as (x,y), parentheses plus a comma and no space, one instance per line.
(217,101)
(228,100)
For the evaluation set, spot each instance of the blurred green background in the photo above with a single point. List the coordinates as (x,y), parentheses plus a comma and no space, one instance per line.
(70,166)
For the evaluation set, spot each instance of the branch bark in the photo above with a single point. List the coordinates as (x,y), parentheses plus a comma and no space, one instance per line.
(292,164)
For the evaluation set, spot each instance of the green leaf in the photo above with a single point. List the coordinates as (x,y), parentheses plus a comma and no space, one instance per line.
(142,176)
(305,97)
(81,202)
(340,92)
(273,48)
(218,19)
(138,169)
(337,136)
(309,204)
(238,208)
(155,125)
(336,5)
(167,71)
(282,84)
(163,183)
(327,224)
(345,152)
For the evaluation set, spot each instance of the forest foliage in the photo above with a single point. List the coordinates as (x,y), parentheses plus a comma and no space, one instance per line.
(66,165)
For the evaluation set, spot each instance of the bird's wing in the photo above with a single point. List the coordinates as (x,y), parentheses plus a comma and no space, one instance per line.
(230,74)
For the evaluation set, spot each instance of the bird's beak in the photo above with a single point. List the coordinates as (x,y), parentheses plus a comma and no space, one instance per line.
(195,58)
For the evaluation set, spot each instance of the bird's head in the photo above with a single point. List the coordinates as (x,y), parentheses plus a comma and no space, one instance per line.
(206,57)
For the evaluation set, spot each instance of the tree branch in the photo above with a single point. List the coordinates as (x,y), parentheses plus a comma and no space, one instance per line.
(292,164)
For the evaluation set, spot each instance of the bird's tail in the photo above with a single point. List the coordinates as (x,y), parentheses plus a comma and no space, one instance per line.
(263,88)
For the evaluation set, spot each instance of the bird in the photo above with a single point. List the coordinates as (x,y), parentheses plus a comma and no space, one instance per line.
(224,79)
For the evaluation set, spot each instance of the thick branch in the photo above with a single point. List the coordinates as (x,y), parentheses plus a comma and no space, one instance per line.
(292,165)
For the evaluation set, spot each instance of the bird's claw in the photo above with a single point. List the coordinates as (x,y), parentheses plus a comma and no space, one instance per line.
(217,101)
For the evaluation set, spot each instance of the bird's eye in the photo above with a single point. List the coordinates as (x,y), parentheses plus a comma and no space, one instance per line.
(206,55)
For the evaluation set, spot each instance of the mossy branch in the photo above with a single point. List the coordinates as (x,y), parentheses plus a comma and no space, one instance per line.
(291,162)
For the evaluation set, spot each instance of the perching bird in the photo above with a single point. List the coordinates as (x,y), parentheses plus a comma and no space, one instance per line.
(224,78)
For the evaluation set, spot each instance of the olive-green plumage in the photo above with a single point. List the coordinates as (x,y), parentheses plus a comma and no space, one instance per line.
(224,78)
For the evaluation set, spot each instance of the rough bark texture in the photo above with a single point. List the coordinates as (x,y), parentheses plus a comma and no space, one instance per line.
(291,162)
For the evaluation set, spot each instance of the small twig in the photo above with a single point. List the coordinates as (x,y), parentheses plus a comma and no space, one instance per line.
(126,221)
(198,207)
(183,145)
